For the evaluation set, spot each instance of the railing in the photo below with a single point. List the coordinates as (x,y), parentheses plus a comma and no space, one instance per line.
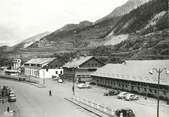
(107,110)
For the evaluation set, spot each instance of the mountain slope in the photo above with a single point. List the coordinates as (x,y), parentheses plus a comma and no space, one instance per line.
(124,9)
(23,44)
(87,34)
(151,46)
(80,35)
(31,40)
(142,33)
(137,19)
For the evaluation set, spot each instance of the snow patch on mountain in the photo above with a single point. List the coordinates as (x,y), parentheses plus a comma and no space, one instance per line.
(115,39)
(33,39)
(155,19)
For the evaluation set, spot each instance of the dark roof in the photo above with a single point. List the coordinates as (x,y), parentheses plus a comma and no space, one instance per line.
(136,70)
(77,61)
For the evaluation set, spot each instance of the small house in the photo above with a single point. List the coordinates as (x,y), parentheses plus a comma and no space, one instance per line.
(81,68)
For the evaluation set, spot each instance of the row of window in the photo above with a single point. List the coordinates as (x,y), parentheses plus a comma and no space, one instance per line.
(125,85)
(92,65)
(61,72)
(32,72)
(57,72)
(33,65)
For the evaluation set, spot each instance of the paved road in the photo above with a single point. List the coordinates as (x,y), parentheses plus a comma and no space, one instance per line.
(35,102)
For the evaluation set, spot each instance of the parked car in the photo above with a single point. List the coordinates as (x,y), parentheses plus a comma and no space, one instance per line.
(12,98)
(130,97)
(125,113)
(122,95)
(11,92)
(83,85)
(111,92)
(60,80)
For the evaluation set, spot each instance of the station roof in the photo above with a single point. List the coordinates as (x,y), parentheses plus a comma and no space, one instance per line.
(41,61)
(77,61)
(136,70)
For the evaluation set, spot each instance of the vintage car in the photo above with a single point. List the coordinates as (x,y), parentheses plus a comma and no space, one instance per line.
(130,97)
(83,85)
(111,92)
(124,113)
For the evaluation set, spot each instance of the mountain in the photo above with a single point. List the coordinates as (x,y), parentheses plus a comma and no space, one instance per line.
(27,42)
(143,19)
(82,35)
(150,46)
(23,44)
(124,9)
(147,30)
(87,34)
(141,33)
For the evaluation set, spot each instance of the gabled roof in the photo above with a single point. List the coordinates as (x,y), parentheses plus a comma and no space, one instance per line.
(77,61)
(41,61)
(136,70)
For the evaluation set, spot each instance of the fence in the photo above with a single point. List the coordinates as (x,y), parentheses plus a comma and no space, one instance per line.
(19,78)
(107,110)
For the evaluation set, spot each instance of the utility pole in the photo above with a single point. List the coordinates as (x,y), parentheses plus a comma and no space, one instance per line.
(159,71)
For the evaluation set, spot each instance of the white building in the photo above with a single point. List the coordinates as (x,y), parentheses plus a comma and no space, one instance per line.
(43,68)
(16,64)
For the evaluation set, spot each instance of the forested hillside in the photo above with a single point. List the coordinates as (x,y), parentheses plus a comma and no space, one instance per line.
(137,19)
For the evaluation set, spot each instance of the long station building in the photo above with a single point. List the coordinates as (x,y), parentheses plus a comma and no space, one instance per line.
(137,76)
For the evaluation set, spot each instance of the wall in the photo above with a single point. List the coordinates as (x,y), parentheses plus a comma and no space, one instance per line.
(16,64)
(48,73)
(32,71)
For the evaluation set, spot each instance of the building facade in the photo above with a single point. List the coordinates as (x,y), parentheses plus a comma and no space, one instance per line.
(43,68)
(81,68)
(16,64)
(134,76)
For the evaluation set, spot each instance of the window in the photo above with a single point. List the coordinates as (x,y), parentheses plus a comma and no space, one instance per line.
(132,87)
(155,91)
(60,72)
(150,90)
(47,70)
(39,65)
(56,72)
(138,88)
(145,89)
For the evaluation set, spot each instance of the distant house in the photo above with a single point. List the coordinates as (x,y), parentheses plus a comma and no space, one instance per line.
(16,64)
(15,68)
(43,68)
(134,76)
(81,68)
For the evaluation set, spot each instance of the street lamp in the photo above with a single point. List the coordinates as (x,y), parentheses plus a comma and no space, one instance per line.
(159,71)
(73,87)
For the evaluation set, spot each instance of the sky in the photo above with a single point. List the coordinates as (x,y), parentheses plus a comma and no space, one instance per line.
(21,19)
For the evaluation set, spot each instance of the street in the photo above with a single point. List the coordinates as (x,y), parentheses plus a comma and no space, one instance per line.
(36,102)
